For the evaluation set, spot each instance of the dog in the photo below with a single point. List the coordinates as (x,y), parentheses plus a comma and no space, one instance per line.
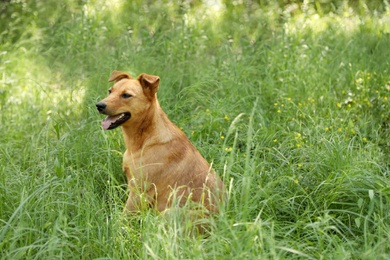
(162,166)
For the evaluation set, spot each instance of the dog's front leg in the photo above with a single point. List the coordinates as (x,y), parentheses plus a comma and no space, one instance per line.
(133,203)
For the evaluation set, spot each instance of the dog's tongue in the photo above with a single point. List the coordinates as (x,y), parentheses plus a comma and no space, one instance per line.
(108,121)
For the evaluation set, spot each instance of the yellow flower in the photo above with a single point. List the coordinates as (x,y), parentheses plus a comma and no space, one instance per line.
(289,99)
(275,140)
(364,139)
(327,129)
(228,149)
(300,165)
(338,105)
(279,111)
(296,181)
(359,80)
(226,118)
(385,98)
(207,110)
(222,137)
(275,104)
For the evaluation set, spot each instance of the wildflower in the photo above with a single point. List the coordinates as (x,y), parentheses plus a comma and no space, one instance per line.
(275,140)
(359,81)
(300,165)
(279,111)
(364,139)
(338,105)
(207,110)
(227,118)
(289,99)
(385,98)
(339,129)
(228,149)
(327,128)
(222,137)
(275,104)
(296,181)
(299,104)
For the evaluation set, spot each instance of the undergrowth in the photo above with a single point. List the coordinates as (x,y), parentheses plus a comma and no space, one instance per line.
(290,104)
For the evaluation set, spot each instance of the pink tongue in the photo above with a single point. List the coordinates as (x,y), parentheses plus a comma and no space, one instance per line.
(108,121)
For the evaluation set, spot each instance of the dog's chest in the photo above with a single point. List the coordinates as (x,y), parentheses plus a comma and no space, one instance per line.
(142,164)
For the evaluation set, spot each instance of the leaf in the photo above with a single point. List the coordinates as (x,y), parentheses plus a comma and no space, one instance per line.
(357,222)
(371,194)
(360,203)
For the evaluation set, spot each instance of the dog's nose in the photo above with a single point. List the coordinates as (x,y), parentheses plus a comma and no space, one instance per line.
(101,106)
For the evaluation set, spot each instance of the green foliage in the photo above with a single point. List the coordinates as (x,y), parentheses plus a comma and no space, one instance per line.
(288,99)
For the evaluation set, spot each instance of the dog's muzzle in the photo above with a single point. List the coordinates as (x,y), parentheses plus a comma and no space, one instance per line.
(112,121)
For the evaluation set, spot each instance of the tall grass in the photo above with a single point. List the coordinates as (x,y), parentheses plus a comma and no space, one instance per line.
(290,103)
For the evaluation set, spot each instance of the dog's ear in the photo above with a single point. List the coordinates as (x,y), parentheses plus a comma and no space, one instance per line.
(118,75)
(149,84)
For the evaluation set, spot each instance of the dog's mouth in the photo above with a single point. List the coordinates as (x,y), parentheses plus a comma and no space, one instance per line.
(111,122)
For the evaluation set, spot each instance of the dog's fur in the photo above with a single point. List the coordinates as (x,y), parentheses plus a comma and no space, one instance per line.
(161,164)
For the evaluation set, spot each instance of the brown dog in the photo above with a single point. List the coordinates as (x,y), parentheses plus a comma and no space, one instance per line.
(161,164)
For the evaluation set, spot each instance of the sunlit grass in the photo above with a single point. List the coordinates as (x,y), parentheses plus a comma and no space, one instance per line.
(289,103)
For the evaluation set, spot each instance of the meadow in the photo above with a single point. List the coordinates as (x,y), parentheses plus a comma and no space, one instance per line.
(290,103)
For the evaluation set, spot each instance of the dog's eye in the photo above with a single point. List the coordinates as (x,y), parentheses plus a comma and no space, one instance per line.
(125,95)
(109,91)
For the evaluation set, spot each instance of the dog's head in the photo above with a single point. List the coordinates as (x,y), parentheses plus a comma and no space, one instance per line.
(127,99)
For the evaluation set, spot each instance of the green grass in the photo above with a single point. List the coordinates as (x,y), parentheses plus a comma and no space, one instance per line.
(291,107)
